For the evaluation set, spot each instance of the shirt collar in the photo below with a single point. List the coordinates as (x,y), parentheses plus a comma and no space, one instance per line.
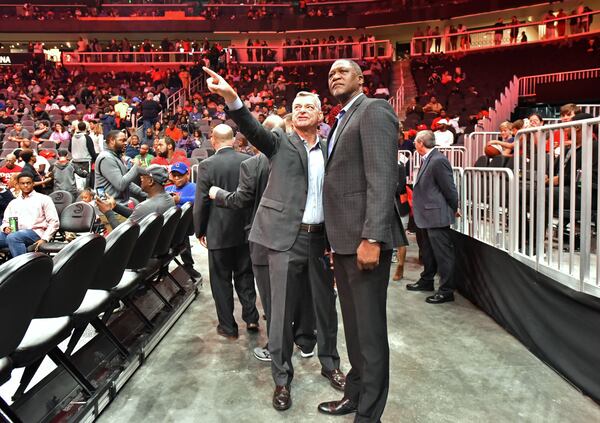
(426,155)
(351,102)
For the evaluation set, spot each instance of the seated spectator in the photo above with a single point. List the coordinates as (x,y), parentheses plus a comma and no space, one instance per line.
(43,131)
(166,154)
(187,143)
(144,158)
(146,137)
(133,146)
(173,131)
(506,142)
(60,135)
(64,174)
(152,180)
(6,197)
(433,106)
(10,167)
(443,137)
(37,218)
(42,184)
(19,134)
(5,121)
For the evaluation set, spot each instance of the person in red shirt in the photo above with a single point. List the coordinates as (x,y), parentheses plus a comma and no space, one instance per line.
(9,168)
(166,154)
(173,131)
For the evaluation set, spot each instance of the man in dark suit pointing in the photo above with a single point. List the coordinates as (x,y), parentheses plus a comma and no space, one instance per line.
(289,222)
(363,226)
(435,205)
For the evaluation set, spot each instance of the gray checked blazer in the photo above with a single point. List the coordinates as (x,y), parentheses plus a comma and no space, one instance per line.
(361,175)
(279,214)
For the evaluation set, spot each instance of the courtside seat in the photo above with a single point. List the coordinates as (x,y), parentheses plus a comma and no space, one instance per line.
(73,271)
(78,218)
(61,200)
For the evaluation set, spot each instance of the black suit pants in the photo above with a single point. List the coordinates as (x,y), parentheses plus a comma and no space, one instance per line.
(301,269)
(186,255)
(224,265)
(363,298)
(437,252)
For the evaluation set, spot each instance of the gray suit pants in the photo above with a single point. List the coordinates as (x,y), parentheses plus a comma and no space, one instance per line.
(437,252)
(300,270)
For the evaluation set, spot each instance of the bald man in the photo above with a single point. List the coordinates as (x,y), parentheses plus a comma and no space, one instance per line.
(222,232)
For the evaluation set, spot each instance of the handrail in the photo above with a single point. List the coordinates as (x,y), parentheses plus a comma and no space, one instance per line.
(305,53)
(485,38)
(527,84)
(123,57)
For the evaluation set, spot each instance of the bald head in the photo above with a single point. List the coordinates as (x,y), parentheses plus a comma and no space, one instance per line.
(222,135)
(274,121)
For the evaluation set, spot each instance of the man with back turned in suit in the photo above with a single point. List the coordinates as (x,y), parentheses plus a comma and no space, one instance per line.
(363,226)
(289,222)
(222,231)
(435,205)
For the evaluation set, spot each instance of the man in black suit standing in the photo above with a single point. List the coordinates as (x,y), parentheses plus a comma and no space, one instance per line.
(289,222)
(222,231)
(363,226)
(435,206)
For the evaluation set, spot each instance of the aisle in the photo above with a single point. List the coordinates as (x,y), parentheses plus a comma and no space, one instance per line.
(449,363)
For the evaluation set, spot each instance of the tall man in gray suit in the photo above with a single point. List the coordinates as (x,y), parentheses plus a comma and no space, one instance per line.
(289,222)
(363,226)
(222,232)
(435,205)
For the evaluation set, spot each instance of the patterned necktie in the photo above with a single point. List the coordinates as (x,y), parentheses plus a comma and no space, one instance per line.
(338,119)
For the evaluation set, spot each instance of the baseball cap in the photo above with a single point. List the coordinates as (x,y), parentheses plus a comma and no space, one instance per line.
(158,173)
(442,122)
(179,167)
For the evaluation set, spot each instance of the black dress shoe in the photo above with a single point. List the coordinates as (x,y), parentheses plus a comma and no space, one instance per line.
(336,378)
(225,334)
(439,298)
(282,399)
(192,272)
(338,408)
(252,327)
(419,286)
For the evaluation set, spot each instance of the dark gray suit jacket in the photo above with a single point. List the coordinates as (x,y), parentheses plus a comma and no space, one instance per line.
(254,174)
(223,228)
(361,175)
(279,215)
(435,199)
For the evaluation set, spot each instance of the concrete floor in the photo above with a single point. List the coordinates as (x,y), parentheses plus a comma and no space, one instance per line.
(449,363)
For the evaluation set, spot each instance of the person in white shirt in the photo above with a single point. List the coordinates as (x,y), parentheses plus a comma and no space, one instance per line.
(37,218)
(443,137)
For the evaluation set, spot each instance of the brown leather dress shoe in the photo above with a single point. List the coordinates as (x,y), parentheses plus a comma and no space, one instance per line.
(228,335)
(336,378)
(338,408)
(282,399)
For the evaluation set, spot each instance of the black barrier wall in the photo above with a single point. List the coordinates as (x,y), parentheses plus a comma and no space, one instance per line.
(560,326)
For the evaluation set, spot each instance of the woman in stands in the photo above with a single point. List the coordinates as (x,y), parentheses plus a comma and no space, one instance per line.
(60,134)
(158,130)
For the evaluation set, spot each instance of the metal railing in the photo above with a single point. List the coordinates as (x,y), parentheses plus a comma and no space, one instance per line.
(487,38)
(528,84)
(475,143)
(317,53)
(456,156)
(557,201)
(397,100)
(488,206)
(503,107)
(120,58)
(194,173)
(458,174)
(405,157)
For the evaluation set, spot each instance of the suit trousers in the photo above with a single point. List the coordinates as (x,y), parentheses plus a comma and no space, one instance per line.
(261,274)
(224,265)
(301,269)
(363,298)
(186,255)
(437,250)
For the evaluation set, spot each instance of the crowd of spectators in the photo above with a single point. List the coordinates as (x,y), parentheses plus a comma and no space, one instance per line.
(556,24)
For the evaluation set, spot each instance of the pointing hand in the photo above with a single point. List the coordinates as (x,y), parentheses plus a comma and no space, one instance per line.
(217,85)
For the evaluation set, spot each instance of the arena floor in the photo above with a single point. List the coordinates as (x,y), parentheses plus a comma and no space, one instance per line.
(449,363)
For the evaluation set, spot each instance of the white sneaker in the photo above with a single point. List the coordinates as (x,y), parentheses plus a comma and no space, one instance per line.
(262,354)
(307,355)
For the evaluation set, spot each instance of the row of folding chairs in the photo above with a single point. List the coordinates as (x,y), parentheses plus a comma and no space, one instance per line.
(44,300)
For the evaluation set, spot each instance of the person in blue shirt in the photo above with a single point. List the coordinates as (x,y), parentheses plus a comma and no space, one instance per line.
(183,191)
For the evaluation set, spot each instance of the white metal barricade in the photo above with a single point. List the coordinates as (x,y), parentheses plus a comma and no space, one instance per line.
(405,157)
(456,156)
(194,173)
(488,206)
(557,201)
(475,143)
(593,109)
(458,175)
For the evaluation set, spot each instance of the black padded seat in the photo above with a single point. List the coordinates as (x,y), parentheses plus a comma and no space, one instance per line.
(76,217)
(73,270)
(128,282)
(5,369)
(61,200)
